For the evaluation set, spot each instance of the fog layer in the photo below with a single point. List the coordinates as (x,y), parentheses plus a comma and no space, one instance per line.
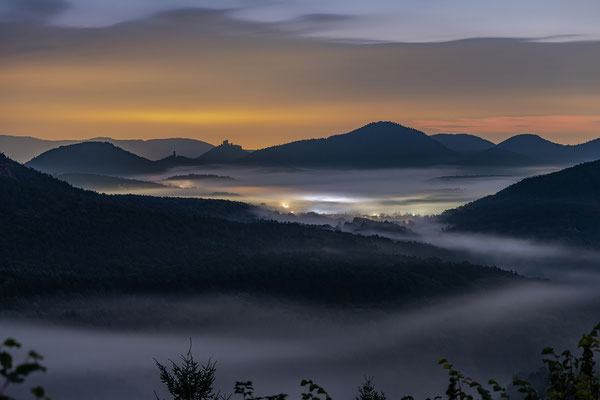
(103,348)
(334,191)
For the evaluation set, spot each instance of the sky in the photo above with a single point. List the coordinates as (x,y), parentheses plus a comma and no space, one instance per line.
(266,72)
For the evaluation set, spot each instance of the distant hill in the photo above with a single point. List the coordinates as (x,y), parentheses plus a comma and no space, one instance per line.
(537,148)
(463,142)
(60,240)
(588,151)
(543,151)
(24,148)
(156,149)
(224,153)
(92,158)
(103,183)
(526,149)
(376,145)
(173,161)
(379,144)
(564,206)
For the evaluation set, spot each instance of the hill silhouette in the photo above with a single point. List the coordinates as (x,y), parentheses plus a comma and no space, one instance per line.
(24,148)
(588,151)
(463,142)
(92,158)
(61,240)
(564,206)
(175,160)
(156,149)
(378,144)
(537,148)
(525,149)
(224,153)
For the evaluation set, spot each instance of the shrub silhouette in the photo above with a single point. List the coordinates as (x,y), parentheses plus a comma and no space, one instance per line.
(11,373)
(246,389)
(571,377)
(315,392)
(189,380)
(367,391)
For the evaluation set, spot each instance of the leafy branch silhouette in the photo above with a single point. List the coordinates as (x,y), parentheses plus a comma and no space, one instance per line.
(11,373)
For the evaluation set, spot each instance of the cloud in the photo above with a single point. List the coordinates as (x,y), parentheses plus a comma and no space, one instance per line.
(378,20)
(313,24)
(491,334)
(17,10)
(209,75)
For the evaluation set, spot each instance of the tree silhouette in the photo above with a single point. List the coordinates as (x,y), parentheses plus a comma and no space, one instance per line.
(367,391)
(189,380)
(571,377)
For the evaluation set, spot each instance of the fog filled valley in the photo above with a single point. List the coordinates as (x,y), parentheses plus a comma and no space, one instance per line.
(329,191)
(329,274)
(299,200)
(104,347)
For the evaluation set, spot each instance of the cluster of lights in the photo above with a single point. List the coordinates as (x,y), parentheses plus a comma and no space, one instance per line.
(286,206)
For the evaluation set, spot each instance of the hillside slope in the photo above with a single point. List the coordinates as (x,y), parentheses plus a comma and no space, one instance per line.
(564,206)
(59,239)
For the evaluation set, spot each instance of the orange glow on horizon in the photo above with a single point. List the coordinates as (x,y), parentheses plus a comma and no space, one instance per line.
(259,92)
(256,128)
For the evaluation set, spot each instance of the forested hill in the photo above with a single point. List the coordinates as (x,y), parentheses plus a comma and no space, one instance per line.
(59,239)
(564,206)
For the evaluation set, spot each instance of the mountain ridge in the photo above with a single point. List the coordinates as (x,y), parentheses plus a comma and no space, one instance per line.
(25,148)
(387,144)
(395,145)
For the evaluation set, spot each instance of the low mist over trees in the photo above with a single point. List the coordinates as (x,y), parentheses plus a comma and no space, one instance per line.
(62,240)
